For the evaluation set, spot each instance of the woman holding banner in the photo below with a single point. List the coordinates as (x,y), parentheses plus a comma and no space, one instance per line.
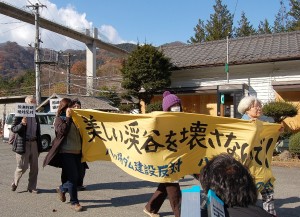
(66,153)
(251,109)
(171,190)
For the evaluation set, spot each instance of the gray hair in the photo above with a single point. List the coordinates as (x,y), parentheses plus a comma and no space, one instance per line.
(246,103)
(29,98)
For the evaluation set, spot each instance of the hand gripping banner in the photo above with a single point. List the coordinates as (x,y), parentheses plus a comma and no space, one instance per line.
(165,146)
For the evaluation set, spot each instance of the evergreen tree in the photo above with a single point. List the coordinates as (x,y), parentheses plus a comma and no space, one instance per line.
(199,33)
(111,94)
(244,28)
(281,19)
(294,13)
(146,67)
(220,24)
(264,27)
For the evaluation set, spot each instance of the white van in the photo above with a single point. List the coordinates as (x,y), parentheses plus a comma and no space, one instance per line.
(47,129)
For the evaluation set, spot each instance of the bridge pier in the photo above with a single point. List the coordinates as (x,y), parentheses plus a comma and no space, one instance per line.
(91,63)
(90,67)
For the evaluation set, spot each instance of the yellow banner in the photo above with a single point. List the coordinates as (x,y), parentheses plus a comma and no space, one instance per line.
(165,146)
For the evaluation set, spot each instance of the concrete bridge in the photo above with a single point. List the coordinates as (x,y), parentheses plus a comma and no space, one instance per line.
(91,42)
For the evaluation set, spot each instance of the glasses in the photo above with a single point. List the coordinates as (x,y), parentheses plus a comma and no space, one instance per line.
(256,107)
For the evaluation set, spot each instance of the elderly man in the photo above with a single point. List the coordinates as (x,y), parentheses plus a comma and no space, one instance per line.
(27,145)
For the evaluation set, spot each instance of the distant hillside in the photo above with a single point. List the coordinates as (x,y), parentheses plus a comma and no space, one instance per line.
(15,59)
(175,43)
(127,46)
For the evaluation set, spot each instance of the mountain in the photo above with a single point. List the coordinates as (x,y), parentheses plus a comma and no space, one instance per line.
(127,46)
(175,43)
(15,59)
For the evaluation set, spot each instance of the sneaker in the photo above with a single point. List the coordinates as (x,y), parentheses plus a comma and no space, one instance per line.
(81,188)
(77,207)
(150,213)
(61,195)
(35,191)
(13,186)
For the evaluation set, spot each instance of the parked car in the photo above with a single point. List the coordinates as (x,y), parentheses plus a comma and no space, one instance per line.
(47,129)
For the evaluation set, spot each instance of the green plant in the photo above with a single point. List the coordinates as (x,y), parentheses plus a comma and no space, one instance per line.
(155,106)
(279,110)
(294,144)
(146,67)
(286,134)
(126,107)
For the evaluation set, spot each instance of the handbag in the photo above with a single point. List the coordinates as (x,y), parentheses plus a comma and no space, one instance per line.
(11,138)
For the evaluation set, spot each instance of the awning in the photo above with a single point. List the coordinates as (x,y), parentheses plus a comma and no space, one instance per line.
(286,85)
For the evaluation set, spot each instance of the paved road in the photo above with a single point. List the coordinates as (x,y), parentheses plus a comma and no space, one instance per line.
(111,192)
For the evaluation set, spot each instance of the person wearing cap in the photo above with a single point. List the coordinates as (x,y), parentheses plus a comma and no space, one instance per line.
(251,109)
(170,103)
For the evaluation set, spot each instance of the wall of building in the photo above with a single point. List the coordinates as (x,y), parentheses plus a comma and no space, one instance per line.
(258,77)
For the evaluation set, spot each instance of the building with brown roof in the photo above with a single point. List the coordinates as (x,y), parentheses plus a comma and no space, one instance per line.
(267,66)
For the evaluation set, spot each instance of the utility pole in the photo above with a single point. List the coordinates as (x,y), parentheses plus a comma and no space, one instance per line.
(68,73)
(37,53)
(227,60)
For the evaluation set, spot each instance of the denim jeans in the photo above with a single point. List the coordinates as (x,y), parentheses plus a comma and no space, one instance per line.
(71,166)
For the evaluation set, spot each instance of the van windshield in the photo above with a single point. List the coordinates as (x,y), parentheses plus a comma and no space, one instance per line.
(10,118)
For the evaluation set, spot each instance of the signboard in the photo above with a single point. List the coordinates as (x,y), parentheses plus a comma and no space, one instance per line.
(54,103)
(190,203)
(215,206)
(25,110)
(222,99)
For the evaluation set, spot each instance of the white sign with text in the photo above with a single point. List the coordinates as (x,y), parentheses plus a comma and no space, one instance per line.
(25,110)
(54,103)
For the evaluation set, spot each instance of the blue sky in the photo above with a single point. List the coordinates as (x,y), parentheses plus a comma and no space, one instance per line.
(156,21)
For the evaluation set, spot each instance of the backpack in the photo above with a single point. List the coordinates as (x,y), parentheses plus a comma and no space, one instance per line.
(11,137)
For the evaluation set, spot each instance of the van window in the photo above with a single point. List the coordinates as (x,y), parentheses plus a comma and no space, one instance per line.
(51,119)
(42,119)
(46,118)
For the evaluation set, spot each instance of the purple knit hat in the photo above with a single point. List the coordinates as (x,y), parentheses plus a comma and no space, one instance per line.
(169,100)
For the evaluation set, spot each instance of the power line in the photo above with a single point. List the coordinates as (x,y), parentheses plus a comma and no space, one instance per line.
(11,22)
(14,28)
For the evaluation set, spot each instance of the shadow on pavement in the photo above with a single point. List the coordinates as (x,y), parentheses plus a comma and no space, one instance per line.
(121,185)
(285,211)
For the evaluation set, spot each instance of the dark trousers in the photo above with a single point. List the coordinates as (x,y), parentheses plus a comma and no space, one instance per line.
(164,190)
(71,166)
(81,176)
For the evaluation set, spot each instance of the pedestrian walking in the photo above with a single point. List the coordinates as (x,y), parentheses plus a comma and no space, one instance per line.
(66,153)
(170,103)
(27,145)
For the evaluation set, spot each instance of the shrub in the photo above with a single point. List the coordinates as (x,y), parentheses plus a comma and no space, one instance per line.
(155,106)
(280,110)
(126,107)
(294,144)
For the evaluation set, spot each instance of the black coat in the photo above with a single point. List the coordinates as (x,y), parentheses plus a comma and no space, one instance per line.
(19,143)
